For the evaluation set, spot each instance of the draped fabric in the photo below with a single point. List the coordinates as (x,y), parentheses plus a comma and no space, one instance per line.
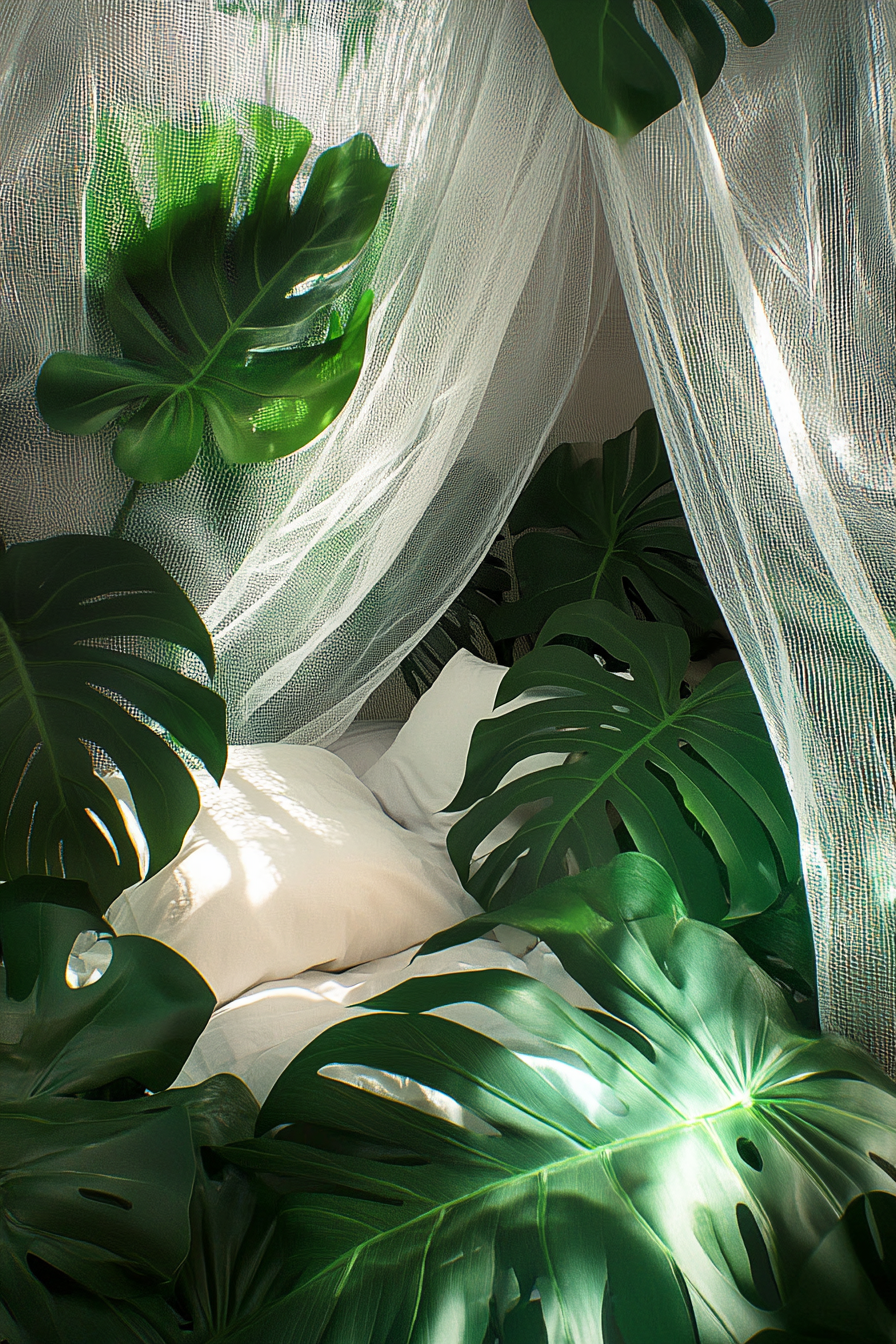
(755,245)
(753,239)
(317,573)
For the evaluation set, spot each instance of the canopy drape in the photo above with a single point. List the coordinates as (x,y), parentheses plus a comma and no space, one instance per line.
(753,236)
(317,573)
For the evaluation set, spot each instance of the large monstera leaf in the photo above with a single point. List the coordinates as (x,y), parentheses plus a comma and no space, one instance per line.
(96,1174)
(616,75)
(210,326)
(669,1168)
(694,778)
(64,685)
(628,540)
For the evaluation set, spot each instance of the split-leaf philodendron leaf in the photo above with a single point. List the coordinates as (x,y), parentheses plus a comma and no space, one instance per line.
(96,1174)
(661,1171)
(206,311)
(616,76)
(694,779)
(627,537)
(64,605)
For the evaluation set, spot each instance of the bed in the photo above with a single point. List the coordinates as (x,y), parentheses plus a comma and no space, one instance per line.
(311,877)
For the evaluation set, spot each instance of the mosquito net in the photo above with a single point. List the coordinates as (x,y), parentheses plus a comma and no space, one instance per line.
(317,573)
(753,237)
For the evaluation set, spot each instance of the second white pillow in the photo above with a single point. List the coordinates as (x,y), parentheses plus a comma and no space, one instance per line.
(424,768)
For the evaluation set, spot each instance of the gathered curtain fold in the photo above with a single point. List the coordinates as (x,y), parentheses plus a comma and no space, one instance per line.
(754,238)
(752,234)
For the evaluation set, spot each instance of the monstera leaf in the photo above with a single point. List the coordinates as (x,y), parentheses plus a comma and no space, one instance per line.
(211,326)
(64,603)
(694,778)
(626,537)
(356,21)
(662,1169)
(95,1193)
(462,626)
(616,75)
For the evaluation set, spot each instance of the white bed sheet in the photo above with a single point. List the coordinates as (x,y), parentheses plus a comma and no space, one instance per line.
(256,1035)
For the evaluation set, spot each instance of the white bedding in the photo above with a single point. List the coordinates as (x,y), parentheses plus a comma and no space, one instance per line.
(361,867)
(291,864)
(257,1035)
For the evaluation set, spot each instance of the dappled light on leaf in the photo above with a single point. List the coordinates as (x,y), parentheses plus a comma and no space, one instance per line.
(208,299)
(68,687)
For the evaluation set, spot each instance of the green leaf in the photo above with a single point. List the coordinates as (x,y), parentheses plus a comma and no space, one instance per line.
(140,1020)
(238,1251)
(780,940)
(203,304)
(628,541)
(356,20)
(677,1157)
(616,76)
(64,604)
(93,1190)
(463,626)
(694,780)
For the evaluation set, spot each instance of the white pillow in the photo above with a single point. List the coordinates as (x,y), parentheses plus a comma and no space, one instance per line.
(292,864)
(364,742)
(424,768)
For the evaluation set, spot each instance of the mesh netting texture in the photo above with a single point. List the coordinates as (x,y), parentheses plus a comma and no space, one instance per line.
(317,573)
(754,239)
(753,236)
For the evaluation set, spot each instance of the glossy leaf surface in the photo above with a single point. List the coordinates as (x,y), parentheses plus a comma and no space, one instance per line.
(219,320)
(626,537)
(639,1165)
(616,75)
(96,1176)
(64,603)
(695,780)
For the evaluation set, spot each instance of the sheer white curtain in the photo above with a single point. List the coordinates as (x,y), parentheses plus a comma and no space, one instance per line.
(317,573)
(754,236)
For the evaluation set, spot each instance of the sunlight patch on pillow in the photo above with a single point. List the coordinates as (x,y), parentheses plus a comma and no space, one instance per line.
(291,864)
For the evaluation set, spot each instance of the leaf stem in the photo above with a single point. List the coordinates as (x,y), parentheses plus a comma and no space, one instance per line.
(123,512)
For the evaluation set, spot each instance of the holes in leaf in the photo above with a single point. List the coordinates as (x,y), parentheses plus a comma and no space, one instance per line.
(870,1222)
(407,1092)
(119,1089)
(212,1164)
(884,1165)
(763,1275)
(89,959)
(624,1029)
(104,1197)
(749,1153)
(51,1278)
(105,833)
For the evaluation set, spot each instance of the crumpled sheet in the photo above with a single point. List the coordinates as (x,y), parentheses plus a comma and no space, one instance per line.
(258,1034)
